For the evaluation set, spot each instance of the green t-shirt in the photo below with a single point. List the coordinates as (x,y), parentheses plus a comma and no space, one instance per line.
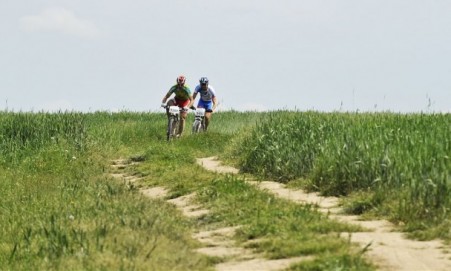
(181,93)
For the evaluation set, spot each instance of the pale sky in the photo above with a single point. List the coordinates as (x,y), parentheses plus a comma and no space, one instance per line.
(326,55)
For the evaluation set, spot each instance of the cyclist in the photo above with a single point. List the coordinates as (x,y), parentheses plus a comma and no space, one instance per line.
(207,98)
(183,98)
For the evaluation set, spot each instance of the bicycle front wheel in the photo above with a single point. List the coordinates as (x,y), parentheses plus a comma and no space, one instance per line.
(172,128)
(197,126)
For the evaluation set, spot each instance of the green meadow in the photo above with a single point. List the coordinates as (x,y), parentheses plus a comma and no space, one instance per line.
(61,210)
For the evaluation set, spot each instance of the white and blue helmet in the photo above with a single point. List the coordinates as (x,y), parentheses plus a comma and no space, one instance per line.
(203,80)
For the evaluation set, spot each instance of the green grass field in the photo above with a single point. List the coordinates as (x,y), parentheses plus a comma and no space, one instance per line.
(60,210)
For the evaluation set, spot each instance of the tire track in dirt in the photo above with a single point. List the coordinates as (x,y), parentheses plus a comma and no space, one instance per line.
(216,242)
(388,249)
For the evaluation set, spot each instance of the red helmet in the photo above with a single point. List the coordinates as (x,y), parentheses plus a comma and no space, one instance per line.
(181,79)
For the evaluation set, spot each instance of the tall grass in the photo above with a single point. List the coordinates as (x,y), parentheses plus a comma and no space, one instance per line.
(25,131)
(396,156)
(58,208)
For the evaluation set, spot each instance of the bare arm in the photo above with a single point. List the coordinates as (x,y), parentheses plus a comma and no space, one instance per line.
(165,98)
(215,103)
(191,100)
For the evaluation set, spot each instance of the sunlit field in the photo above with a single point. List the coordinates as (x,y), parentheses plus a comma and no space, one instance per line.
(398,163)
(59,208)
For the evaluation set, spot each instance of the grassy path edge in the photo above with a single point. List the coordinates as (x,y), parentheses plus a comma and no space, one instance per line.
(388,248)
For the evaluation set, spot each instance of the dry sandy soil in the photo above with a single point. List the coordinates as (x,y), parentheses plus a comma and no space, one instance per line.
(388,249)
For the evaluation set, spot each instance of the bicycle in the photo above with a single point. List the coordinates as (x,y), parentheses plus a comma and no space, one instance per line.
(173,122)
(199,120)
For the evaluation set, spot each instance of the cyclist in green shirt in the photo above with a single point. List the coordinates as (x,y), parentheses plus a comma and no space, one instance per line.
(183,98)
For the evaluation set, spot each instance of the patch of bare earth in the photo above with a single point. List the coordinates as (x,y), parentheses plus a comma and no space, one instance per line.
(118,171)
(388,249)
(216,242)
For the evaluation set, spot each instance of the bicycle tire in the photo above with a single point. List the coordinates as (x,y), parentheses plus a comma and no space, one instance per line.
(169,129)
(176,128)
(197,126)
(172,128)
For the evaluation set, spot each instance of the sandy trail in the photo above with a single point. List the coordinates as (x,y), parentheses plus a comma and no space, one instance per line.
(389,249)
(217,242)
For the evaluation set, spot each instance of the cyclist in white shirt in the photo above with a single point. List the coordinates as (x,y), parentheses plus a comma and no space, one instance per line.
(207,98)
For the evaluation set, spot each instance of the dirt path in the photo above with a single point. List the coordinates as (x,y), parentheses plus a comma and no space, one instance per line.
(216,242)
(389,249)
(219,242)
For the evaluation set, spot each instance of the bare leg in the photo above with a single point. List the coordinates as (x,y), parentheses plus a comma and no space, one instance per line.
(207,119)
(182,122)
